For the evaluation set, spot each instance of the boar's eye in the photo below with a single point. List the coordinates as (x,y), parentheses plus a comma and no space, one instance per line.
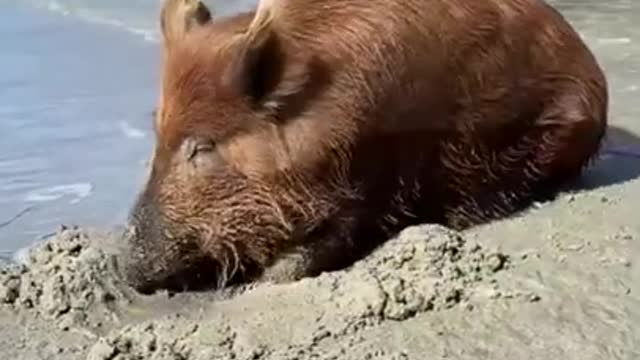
(201,154)
(197,147)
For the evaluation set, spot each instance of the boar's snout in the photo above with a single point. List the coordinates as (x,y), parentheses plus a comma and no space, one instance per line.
(154,259)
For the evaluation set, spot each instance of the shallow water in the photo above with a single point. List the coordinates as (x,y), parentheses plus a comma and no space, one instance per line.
(71,96)
(77,88)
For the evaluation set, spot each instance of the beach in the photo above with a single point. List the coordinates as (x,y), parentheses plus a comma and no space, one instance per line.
(559,281)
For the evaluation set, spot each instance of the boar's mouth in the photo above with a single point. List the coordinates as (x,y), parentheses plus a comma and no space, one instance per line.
(152,262)
(198,276)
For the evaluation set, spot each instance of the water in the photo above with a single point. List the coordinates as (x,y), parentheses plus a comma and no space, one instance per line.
(78,84)
(77,89)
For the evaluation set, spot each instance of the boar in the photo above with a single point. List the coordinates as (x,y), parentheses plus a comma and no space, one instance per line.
(294,139)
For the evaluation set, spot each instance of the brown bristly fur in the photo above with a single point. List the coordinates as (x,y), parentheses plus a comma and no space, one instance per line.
(324,127)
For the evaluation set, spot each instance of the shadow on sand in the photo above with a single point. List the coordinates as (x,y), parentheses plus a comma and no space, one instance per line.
(619,161)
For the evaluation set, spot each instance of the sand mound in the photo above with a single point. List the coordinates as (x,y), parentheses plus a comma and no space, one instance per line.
(426,268)
(67,278)
(70,280)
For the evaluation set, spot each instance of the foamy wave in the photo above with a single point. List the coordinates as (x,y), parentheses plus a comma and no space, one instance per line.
(614,41)
(147,34)
(56,7)
(77,192)
(21,256)
(137,17)
(131,132)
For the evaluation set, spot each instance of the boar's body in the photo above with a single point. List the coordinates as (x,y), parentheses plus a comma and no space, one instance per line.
(316,129)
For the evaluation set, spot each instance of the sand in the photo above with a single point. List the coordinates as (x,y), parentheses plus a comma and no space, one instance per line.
(558,281)
(72,283)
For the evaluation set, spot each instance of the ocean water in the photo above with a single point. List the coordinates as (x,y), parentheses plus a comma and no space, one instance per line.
(78,84)
(77,89)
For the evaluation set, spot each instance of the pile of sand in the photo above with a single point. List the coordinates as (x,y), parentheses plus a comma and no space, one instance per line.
(71,280)
(65,279)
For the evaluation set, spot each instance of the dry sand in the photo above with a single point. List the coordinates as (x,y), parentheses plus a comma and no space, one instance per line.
(559,281)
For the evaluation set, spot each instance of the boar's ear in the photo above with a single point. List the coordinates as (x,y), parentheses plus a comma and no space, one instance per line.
(177,17)
(262,68)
